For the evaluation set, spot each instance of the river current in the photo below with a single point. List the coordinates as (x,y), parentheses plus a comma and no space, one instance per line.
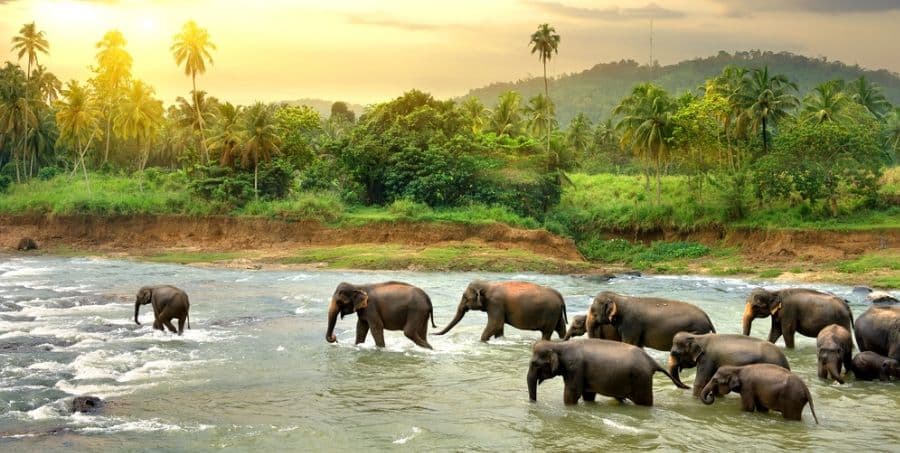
(255,372)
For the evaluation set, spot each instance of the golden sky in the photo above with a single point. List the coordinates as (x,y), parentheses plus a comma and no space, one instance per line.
(367,50)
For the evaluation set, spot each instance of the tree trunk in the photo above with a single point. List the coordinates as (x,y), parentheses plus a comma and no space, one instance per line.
(658,183)
(108,127)
(256,175)
(203,152)
(547,105)
(764,139)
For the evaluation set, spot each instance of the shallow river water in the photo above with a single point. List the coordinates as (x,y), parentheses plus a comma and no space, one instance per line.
(255,372)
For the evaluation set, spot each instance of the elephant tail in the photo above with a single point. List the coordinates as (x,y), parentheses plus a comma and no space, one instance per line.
(564,316)
(811,407)
(189,320)
(430,311)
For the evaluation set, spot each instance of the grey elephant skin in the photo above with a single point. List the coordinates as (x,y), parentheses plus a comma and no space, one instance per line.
(168,303)
(878,330)
(523,305)
(710,351)
(578,328)
(592,366)
(646,321)
(382,306)
(796,310)
(762,387)
(834,349)
(868,366)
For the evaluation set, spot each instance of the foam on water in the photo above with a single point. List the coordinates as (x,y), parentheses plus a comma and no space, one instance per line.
(403,440)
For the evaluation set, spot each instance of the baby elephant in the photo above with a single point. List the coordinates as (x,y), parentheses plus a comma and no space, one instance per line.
(868,366)
(595,366)
(834,347)
(762,386)
(168,302)
(578,328)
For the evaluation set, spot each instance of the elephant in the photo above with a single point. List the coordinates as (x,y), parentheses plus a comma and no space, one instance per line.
(168,302)
(646,321)
(593,366)
(523,305)
(834,347)
(577,329)
(379,306)
(878,330)
(710,351)
(762,386)
(796,310)
(868,365)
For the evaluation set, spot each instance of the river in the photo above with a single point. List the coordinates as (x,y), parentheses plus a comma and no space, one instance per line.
(255,372)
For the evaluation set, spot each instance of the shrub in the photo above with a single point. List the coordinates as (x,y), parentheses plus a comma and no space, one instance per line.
(48,173)
(5,182)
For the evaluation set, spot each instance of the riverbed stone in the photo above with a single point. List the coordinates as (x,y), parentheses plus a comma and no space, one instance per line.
(87,404)
(26,244)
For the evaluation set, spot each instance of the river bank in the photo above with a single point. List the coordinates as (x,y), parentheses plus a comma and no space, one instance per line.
(849,257)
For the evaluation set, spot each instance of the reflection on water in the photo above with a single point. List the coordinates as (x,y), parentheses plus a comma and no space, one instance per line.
(255,371)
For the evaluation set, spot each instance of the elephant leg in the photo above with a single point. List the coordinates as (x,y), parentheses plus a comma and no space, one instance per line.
(362,329)
(377,334)
(412,333)
(560,328)
(168,323)
(157,325)
(775,332)
(705,372)
(748,402)
(181,324)
(791,412)
(821,371)
(789,331)
(547,334)
(894,350)
(493,328)
(572,393)
(589,396)
(643,397)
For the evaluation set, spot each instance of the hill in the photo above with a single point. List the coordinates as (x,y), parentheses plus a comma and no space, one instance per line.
(323,106)
(597,90)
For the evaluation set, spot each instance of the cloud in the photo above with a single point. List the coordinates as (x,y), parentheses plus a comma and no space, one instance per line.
(613,13)
(387,22)
(747,7)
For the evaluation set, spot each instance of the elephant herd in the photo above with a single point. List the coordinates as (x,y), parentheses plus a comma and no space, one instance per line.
(611,362)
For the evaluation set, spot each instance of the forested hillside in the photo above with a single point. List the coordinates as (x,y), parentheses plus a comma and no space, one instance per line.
(597,90)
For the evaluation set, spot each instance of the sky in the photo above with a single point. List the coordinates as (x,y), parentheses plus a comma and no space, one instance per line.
(367,51)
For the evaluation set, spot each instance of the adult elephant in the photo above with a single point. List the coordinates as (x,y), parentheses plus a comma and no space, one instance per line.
(796,310)
(523,305)
(578,328)
(762,386)
(646,321)
(382,306)
(168,303)
(878,330)
(868,365)
(594,366)
(710,351)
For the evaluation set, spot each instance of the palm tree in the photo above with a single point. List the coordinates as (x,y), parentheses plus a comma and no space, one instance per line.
(262,138)
(647,125)
(507,116)
(578,137)
(29,42)
(541,115)
(140,117)
(545,42)
(192,48)
(768,101)
(187,118)
(475,113)
(827,102)
(869,95)
(13,109)
(893,129)
(113,72)
(728,86)
(227,135)
(77,119)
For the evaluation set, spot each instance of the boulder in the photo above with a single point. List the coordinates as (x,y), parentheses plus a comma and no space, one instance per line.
(87,404)
(26,244)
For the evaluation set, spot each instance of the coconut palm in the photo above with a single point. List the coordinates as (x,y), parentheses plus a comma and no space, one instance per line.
(541,115)
(113,73)
(28,43)
(728,85)
(140,117)
(13,110)
(578,135)
(768,101)
(647,125)
(77,117)
(869,95)
(545,42)
(507,116)
(893,129)
(262,138)
(227,135)
(193,48)
(475,113)
(827,102)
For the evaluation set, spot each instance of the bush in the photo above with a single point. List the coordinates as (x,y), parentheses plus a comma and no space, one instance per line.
(407,208)
(223,185)
(48,173)
(275,180)
(5,182)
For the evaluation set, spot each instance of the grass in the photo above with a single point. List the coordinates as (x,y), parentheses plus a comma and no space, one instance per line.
(438,258)
(192,257)
(886,260)
(770,273)
(661,255)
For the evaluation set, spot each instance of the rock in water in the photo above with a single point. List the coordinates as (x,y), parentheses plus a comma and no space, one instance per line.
(26,244)
(87,404)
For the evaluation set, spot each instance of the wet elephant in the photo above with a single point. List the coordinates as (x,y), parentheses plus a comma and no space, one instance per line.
(796,310)
(878,330)
(523,305)
(762,386)
(603,332)
(834,348)
(380,307)
(592,366)
(868,366)
(710,351)
(168,303)
(646,321)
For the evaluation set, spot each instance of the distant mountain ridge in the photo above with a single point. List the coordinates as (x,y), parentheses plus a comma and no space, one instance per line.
(597,90)
(324,106)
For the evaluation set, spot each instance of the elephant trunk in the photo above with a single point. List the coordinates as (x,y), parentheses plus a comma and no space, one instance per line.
(674,370)
(332,320)
(747,320)
(137,310)
(708,394)
(460,312)
(589,323)
(835,372)
(532,385)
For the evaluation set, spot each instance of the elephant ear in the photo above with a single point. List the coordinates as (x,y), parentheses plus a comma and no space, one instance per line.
(694,349)
(776,308)
(734,384)
(479,299)
(612,309)
(360,299)
(554,361)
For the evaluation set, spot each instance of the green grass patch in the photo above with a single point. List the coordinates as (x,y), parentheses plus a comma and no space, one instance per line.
(887,281)
(770,273)
(640,256)
(885,260)
(192,257)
